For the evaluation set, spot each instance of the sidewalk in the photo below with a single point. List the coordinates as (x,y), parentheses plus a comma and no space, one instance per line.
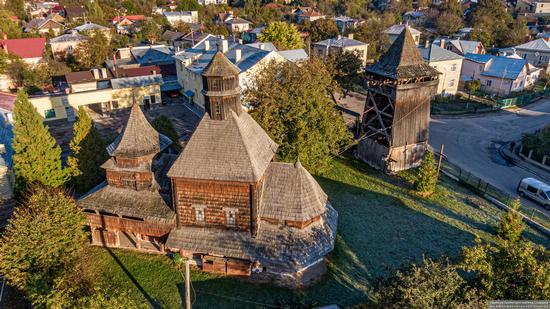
(511,156)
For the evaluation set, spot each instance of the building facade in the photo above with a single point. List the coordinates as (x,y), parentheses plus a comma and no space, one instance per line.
(341,44)
(447,63)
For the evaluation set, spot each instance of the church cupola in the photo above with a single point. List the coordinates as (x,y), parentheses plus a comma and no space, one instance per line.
(221,88)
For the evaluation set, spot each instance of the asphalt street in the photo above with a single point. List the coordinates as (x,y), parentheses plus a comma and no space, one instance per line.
(473,143)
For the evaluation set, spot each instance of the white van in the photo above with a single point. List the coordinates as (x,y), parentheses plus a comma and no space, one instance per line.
(536,190)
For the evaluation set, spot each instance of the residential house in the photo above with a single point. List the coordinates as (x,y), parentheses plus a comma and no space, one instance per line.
(75,13)
(500,75)
(252,35)
(237,25)
(207,2)
(43,26)
(447,63)
(190,17)
(127,24)
(541,7)
(191,63)
(89,29)
(7,103)
(536,52)
(100,91)
(30,50)
(346,24)
(464,33)
(65,44)
(394,31)
(339,45)
(414,18)
(142,56)
(294,55)
(463,47)
(309,16)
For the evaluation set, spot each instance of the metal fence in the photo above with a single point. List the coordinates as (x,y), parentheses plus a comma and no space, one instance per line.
(533,217)
(523,99)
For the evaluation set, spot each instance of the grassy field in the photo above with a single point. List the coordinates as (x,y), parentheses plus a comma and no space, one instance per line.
(382,226)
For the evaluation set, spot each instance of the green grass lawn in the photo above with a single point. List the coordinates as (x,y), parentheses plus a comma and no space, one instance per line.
(382,226)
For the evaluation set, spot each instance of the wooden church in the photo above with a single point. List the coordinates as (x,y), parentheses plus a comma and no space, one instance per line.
(233,208)
(394,128)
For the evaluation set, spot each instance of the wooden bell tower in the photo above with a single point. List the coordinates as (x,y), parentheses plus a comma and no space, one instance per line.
(394,128)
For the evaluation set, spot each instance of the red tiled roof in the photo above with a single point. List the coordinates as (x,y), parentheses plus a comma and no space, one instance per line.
(129,17)
(25,48)
(7,101)
(142,71)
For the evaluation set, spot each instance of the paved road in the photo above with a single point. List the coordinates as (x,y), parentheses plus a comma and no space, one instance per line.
(473,143)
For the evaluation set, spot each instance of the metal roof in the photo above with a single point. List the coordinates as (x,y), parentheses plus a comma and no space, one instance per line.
(294,55)
(434,53)
(536,45)
(498,66)
(340,42)
(138,81)
(69,37)
(397,29)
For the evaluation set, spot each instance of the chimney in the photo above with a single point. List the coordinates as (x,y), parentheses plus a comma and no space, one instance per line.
(5,36)
(154,72)
(96,73)
(261,46)
(442,43)
(238,54)
(104,73)
(427,44)
(225,46)
(350,36)
(206,45)
(339,37)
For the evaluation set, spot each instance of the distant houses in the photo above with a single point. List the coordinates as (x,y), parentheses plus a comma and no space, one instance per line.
(339,45)
(536,52)
(30,50)
(65,44)
(449,64)
(394,31)
(190,17)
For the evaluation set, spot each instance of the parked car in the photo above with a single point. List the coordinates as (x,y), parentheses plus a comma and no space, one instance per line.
(535,190)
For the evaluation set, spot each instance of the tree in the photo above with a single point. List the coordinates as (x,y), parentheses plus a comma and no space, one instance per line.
(151,31)
(292,103)
(472,86)
(322,29)
(164,126)
(37,157)
(95,14)
(182,27)
(42,242)
(284,36)
(372,32)
(448,23)
(509,269)
(511,223)
(92,52)
(8,26)
(347,68)
(188,5)
(492,23)
(427,175)
(17,7)
(517,33)
(88,153)
(433,284)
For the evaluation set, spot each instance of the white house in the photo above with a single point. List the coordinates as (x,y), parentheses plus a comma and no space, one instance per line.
(449,64)
(190,17)
(536,52)
(394,31)
(191,62)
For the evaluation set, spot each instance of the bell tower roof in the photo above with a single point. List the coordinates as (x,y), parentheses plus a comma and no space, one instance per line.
(403,60)
(220,66)
(137,139)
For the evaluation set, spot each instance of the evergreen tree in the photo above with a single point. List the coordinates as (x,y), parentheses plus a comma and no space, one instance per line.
(427,175)
(293,104)
(37,157)
(88,153)
(42,242)
(165,126)
(511,223)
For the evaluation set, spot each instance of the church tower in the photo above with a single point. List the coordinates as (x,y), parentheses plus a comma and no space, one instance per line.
(394,128)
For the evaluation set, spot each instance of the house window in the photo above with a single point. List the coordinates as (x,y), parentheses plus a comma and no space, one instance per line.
(153,99)
(199,215)
(231,217)
(489,83)
(451,83)
(453,67)
(49,113)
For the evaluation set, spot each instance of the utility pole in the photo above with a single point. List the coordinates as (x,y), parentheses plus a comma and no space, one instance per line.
(440,159)
(187,286)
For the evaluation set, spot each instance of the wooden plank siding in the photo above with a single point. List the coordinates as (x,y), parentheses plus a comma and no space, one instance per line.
(155,229)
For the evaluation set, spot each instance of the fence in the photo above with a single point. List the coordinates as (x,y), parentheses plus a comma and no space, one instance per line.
(536,218)
(523,99)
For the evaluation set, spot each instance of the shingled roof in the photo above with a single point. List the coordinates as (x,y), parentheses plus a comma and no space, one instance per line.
(291,193)
(235,149)
(403,60)
(137,139)
(220,66)
(282,250)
